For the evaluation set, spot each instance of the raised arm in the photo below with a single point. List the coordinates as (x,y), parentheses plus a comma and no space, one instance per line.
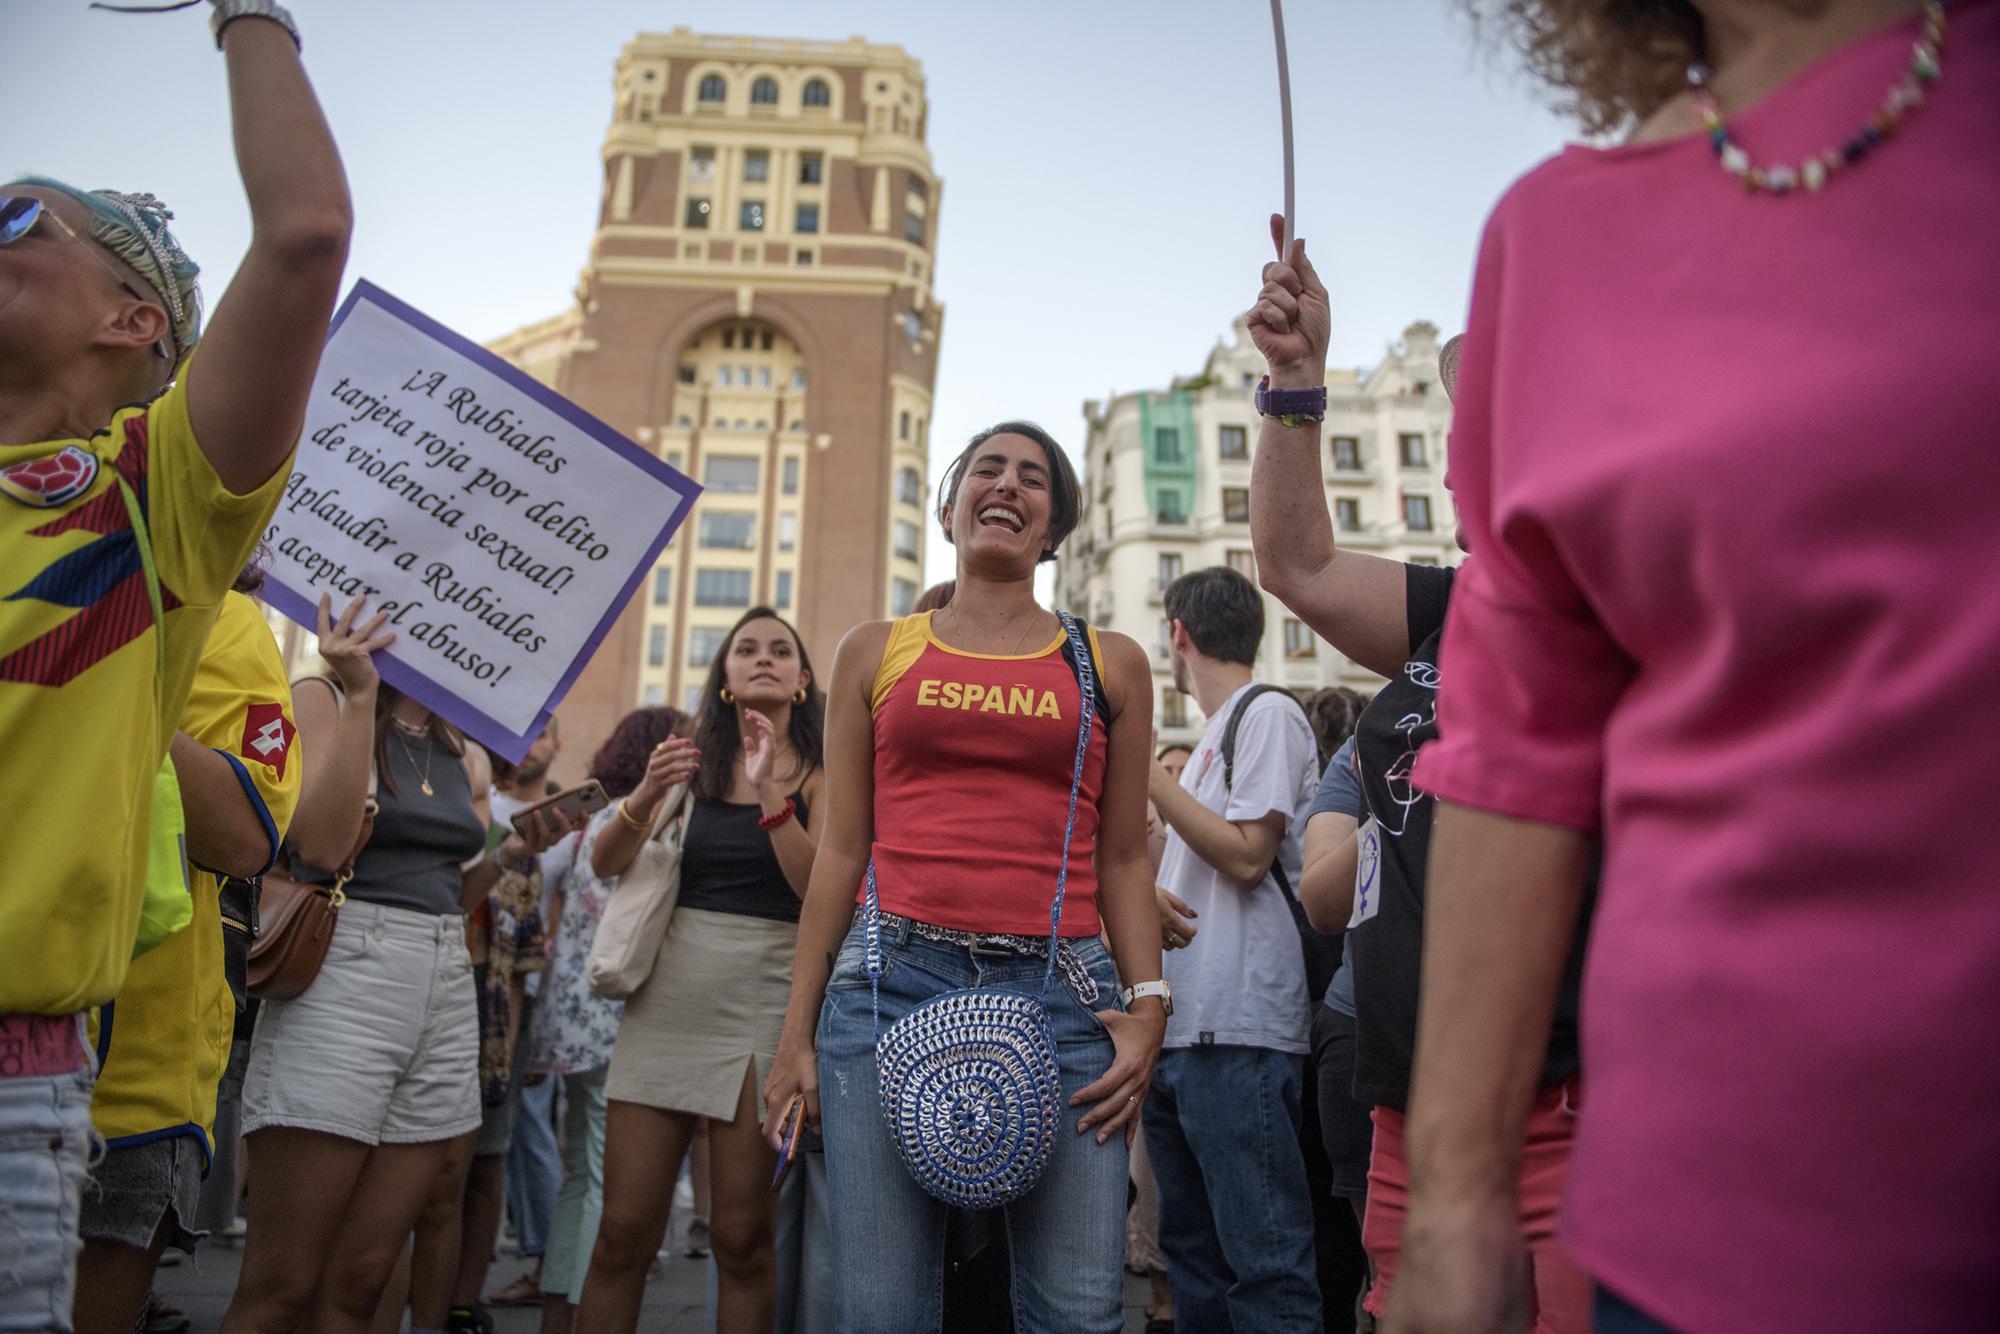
(846,840)
(247,390)
(337,737)
(1351,600)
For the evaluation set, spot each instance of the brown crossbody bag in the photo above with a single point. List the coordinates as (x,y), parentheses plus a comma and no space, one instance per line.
(295,920)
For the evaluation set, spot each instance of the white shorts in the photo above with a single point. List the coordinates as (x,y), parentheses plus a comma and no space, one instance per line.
(383,1047)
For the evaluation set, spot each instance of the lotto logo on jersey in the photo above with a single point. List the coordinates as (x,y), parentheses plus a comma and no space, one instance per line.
(267,736)
(50,482)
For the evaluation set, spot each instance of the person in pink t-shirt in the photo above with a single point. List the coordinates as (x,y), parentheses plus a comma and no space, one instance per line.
(1725,444)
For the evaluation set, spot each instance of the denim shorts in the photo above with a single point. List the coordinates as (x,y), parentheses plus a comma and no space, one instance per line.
(45,1144)
(1066,1235)
(134,1187)
(383,1047)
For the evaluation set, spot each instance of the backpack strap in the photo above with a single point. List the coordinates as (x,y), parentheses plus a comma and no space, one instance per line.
(1229,767)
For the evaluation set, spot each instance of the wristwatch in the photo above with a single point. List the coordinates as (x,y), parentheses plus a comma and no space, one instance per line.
(1293,407)
(1159,988)
(227,12)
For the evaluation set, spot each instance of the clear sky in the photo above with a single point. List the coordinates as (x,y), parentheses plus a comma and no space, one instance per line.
(1108,164)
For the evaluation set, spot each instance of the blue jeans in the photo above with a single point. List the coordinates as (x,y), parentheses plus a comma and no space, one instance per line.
(534,1163)
(1067,1234)
(45,1142)
(1236,1223)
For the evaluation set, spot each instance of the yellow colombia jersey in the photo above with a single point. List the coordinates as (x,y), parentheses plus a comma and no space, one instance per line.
(164,1041)
(84,717)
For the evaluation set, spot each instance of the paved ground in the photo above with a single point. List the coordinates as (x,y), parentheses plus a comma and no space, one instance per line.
(676,1302)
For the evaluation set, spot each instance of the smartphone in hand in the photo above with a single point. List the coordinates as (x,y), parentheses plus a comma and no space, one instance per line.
(578,803)
(789,1126)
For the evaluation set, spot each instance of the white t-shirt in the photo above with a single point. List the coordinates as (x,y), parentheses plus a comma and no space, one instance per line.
(1242,981)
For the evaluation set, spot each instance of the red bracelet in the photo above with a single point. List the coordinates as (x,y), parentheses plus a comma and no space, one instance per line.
(770,822)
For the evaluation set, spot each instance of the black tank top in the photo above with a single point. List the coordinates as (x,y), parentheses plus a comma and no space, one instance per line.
(729,865)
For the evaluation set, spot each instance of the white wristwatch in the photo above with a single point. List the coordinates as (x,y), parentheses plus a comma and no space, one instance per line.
(1159,988)
(227,12)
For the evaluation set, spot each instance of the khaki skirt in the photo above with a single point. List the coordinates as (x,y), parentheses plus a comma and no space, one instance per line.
(714,1003)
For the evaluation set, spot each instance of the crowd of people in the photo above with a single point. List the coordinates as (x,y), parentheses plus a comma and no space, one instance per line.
(961,993)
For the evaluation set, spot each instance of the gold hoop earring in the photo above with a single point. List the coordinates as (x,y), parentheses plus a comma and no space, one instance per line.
(801,697)
(726,696)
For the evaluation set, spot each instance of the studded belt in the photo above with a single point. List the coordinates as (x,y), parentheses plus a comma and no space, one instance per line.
(994,942)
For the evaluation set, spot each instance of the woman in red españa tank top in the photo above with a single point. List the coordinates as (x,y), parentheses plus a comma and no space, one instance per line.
(951,742)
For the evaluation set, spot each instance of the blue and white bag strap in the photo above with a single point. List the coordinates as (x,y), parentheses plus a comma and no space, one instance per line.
(871,920)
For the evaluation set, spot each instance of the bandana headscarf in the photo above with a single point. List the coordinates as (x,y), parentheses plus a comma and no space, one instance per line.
(134,228)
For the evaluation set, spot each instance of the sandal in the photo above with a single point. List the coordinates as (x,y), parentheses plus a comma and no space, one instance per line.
(523,1291)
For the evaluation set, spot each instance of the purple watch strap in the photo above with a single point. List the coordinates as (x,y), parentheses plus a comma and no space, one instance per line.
(1290,402)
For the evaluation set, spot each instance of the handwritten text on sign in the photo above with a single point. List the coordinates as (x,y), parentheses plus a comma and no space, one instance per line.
(499,525)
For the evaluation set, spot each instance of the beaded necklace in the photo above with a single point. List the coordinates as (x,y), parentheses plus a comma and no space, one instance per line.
(1813,173)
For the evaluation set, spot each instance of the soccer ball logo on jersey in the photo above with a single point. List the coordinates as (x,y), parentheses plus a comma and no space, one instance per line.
(267,736)
(50,482)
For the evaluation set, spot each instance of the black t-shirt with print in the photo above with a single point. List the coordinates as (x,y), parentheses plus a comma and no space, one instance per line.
(1385,951)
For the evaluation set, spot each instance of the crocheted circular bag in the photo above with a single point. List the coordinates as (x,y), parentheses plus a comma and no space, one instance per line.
(972,1094)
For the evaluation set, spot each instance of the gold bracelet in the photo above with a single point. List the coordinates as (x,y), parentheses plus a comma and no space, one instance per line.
(625,814)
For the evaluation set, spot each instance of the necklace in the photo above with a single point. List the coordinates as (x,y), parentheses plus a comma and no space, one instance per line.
(1816,171)
(430,753)
(958,624)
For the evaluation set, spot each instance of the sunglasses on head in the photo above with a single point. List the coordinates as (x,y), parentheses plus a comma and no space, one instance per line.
(20,213)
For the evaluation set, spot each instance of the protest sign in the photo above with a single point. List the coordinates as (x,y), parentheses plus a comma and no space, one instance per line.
(502,527)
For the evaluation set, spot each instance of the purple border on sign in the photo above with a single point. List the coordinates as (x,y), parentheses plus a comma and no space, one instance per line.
(490,732)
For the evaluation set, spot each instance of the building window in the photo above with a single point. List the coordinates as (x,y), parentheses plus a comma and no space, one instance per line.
(788,531)
(764,93)
(1168,508)
(1244,563)
(685,373)
(1411,447)
(902,597)
(713,89)
(798,377)
(691,695)
(1166,444)
(729,338)
(913,325)
(913,228)
(910,487)
(1234,442)
(817,94)
(1347,514)
(1299,641)
(1417,513)
(763,378)
(722,588)
(918,188)
(908,541)
(790,484)
(697,214)
(903,426)
(1166,639)
(730,472)
(1235,504)
(803,258)
(663,584)
(1169,568)
(724,377)
(654,696)
(1173,708)
(656,647)
(701,164)
(728,530)
(704,642)
(1346,453)
(782,600)
(812,167)
(806,219)
(756,165)
(751,219)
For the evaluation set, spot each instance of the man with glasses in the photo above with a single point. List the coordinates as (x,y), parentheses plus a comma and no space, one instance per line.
(121,528)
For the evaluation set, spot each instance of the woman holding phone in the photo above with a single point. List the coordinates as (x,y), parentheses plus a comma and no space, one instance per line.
(357,1087)
(952,745)
(702,1032)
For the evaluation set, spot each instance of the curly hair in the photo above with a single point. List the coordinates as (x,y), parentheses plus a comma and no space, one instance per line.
(1612,63)
(621,761)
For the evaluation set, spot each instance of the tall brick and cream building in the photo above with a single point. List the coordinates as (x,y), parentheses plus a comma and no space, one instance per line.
(756,308)
(1167,477)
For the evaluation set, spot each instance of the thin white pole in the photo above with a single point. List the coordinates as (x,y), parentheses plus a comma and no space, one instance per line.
(1285,114)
